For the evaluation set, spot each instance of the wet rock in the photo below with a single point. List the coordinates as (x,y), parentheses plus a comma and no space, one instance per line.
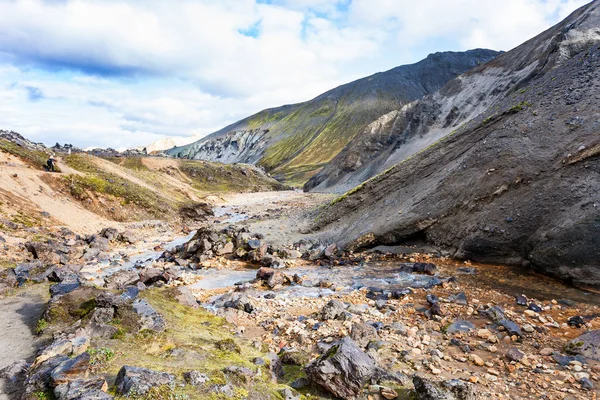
(454,389)
(90,389)
(576,321)
(343,370)
(333,310)
(149,317)
(138,381)
(460,326)
(566,302)
(362,333)
(587,345)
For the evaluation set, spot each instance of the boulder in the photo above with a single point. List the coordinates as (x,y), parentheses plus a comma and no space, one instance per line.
(196,211)
(587,345)
(343,370)
(121,279)
(138,381)
(454,389)
(71,369)
(362,333)
(88,389)
(149,276)
(149,318)
(334,309)
(110,233)
(237,301)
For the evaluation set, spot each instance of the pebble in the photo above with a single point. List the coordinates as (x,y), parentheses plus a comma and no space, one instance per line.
(475,359)
(528,328)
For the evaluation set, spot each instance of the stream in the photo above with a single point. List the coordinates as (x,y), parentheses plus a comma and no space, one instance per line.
(376,275)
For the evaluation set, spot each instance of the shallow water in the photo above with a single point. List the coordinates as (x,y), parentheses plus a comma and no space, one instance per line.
(517,280)
(233,216)
(382,275)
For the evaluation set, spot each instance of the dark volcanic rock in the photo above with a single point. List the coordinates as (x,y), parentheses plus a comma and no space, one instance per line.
(454,389)
(138,381)
(92,389)
(334,309)
(343,370)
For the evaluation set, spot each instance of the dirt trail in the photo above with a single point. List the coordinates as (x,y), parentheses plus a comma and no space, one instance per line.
(23,190)
(19,315)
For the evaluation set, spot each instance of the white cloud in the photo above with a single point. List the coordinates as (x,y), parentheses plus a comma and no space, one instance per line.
(129,71)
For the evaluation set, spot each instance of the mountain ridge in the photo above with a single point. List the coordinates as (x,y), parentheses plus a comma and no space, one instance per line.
(294,141)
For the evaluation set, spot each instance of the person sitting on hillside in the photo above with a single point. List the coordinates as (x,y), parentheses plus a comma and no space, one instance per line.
(50,164)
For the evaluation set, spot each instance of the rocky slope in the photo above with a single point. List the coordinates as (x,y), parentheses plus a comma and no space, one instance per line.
(294,141)
(517,184)
(87,191)
(406,131)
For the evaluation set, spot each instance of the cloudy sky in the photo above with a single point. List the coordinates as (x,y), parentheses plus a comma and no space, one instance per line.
(128,72)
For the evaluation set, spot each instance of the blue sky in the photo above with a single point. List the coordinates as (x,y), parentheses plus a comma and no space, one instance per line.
(126,73)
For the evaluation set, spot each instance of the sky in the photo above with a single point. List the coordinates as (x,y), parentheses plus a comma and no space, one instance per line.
(124,73)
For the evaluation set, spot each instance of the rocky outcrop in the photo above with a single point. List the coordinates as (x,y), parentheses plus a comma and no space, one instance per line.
(138,381)
(515,185)
(295,141)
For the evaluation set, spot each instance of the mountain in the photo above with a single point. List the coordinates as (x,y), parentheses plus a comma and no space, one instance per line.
(168,143)
(516,182)
(294,141)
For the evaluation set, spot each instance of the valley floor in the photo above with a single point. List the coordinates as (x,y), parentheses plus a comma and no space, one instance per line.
(441,328)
